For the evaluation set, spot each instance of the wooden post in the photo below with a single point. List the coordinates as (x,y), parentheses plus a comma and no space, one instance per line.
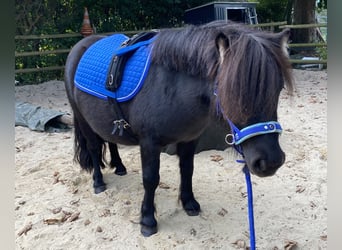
(86,29)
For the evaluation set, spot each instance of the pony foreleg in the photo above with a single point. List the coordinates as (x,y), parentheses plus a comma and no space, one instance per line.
(116,160)
(150,159)
(186,153)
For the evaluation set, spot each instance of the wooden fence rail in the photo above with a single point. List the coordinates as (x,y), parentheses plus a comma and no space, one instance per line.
(280,25)
(43,52)
(52,52)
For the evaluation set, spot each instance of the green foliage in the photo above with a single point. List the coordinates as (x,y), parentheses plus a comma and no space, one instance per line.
(57,16)
(123,15)
(322,4)
(322,52)
(39,61)
(38,17)
(271,10)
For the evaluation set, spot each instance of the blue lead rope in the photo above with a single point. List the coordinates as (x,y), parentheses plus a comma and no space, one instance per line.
(250,207)
(250,202)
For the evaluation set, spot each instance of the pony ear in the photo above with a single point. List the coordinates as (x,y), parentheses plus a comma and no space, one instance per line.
(283,39)
(222,44)
(285,34)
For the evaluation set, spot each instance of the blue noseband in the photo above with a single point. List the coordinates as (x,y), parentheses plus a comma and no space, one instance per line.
(238,136)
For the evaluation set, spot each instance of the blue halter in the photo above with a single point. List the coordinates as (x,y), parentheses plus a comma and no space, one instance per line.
(238,136)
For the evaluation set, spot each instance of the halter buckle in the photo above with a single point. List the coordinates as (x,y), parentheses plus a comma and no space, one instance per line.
(230,139)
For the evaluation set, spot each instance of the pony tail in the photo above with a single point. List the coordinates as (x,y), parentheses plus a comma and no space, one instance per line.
(81,152)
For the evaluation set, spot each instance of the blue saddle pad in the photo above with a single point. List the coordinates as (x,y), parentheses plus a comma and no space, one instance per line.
(92,70)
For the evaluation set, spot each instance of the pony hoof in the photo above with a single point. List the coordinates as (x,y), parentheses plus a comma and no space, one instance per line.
(192,212)
(148,231)
(120,172)
(192,208)
(99,189)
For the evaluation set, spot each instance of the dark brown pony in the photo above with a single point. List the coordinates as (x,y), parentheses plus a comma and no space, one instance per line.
(191,69)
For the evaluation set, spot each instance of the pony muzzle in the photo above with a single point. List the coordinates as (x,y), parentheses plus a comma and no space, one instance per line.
(262,166)
(261,161)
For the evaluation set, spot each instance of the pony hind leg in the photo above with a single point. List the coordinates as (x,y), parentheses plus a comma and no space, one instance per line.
(186,152)
(89,152)
(115,161)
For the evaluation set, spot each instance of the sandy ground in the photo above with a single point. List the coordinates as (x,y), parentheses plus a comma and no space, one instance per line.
(55,207)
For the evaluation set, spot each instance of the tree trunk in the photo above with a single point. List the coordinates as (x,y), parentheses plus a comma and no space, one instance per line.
(303,13)
(288,11)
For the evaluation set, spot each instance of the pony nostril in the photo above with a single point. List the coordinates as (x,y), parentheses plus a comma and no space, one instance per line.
(263,167)
(260,165)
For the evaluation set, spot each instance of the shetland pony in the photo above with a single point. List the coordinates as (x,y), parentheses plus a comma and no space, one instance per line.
(192,70)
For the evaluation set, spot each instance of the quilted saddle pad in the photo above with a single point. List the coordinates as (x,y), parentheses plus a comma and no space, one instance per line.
(92,70)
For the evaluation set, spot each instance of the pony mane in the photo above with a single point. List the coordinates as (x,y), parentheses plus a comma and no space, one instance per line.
(250,72)
(191,49)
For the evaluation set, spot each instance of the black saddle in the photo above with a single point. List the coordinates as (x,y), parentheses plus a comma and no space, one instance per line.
(119,60)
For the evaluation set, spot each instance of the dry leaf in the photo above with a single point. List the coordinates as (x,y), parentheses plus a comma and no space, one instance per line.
(300,189)
(240,244)
(52,221)
(87,222)
(27,228)
(56,210)
(74,202)
(65,217)
(222,212)
(324,237)
(55,179)
(67,213)
(135,221)
(312,204)
(164,185)
(74,217)
(290,245)
(193,232)
(74,191)
(216,158)
(105,213)
(244,194)
(22,203)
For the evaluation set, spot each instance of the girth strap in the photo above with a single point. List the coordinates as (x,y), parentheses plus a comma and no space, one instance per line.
(120,125)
